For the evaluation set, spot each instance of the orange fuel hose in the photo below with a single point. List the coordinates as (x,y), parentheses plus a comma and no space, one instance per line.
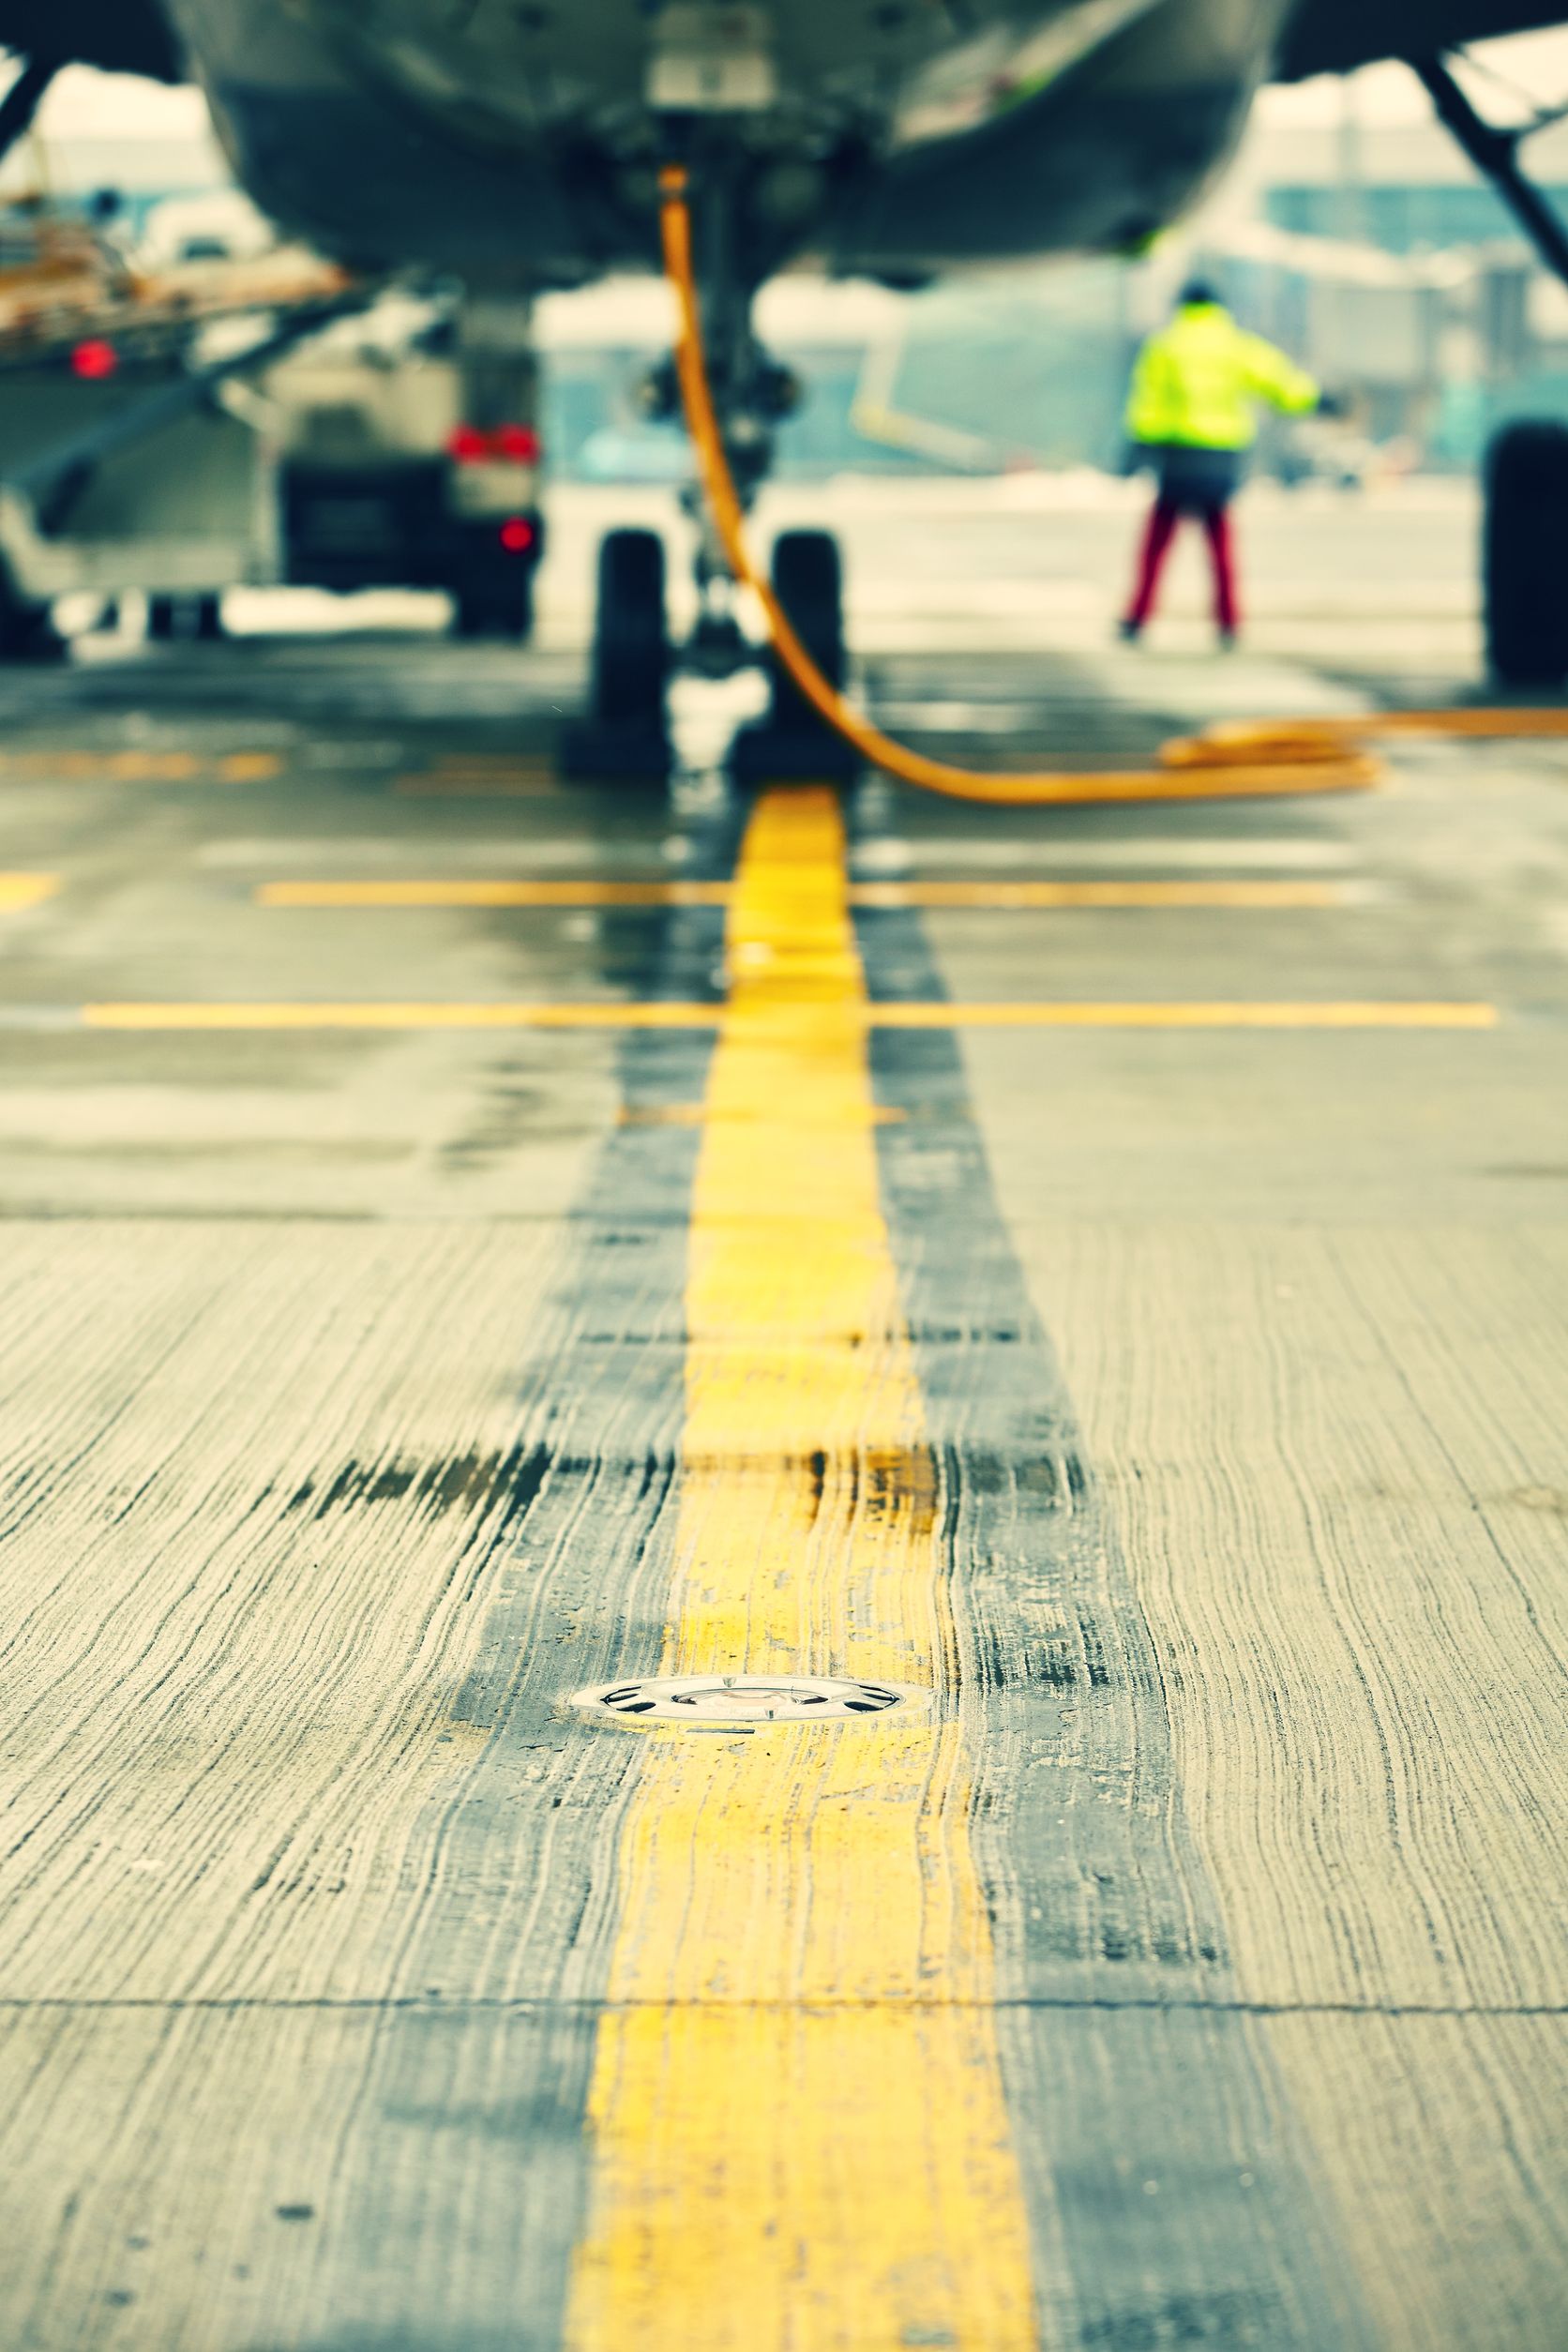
(1337,769)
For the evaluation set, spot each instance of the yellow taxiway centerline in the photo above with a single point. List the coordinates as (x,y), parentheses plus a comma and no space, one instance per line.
(799,2130)
(1393,1014)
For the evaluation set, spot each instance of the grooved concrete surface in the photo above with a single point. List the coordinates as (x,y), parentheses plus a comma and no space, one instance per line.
(1192,1403)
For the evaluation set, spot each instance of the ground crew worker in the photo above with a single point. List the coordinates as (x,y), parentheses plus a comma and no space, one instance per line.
(1193,414)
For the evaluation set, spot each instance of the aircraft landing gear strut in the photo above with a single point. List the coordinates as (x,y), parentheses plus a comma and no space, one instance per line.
(1525,572)
(625,732)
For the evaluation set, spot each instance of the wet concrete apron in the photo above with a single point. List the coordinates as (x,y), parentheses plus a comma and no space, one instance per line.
(864,2037)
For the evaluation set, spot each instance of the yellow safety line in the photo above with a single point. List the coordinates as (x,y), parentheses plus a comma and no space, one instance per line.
(398,1015)
(800,2141)
(1345,771)
(137,767)
(25,890)
(989,898)
(1002,897)
(1156,1014)
(1045,1015)
(492,893)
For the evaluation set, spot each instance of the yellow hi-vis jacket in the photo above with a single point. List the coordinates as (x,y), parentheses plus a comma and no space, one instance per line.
(1197,382)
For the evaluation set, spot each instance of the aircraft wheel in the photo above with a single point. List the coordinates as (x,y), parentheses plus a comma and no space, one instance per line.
(209,620)
(631,638)
(808,581)
(27,631)
(793,744)
(162,618)
(31,637)
(625,733)
(1526,554)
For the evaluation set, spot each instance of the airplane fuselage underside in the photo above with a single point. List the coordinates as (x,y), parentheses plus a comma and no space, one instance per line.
(521,137)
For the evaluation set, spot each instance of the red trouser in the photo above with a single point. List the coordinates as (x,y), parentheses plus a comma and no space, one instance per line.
(1167,514)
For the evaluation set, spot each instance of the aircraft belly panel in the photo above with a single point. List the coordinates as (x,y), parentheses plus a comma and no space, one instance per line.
(332,153)
(1097,160)
(503,71)
(518,141)
(542,61)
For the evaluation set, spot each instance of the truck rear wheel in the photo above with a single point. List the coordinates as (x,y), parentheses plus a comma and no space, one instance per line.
(495,613)
(1525,558)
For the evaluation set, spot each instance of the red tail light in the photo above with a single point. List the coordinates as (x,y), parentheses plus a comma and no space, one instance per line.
(514,445)
(517,534)
(93,359)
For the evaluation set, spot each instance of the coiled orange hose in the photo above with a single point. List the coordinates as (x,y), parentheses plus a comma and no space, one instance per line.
(1188,781)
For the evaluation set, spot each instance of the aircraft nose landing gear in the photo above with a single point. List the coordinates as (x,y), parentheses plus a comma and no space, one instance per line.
(624,735)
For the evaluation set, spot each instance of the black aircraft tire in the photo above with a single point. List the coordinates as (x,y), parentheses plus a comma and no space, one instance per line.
(27,630)
(808,581)
(1525,558)
(631,640)
(209,620)
(794,743)
(162,618)
(478,613)
(32,637)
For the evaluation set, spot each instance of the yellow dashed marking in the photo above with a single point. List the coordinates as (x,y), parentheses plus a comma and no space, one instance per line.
(659,1016)
(800,2138)
(1158,1016)
(396,1015)
(999,898)
(1002,897)
(25,890)
(249,767)
(137,767)
(492,893)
